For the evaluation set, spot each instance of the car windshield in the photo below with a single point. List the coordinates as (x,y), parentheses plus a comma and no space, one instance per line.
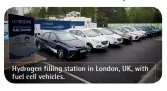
(152,27)
(129,29)
(138,29)
(106,31)
(90,33)
(123,30)
(66,36)
(149,28)
(118,32)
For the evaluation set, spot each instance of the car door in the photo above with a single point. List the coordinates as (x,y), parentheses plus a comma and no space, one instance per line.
(74,32)
(81,36)
(52,42)
(45,38)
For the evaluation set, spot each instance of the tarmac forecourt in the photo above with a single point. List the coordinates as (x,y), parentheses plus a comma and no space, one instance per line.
(107,67)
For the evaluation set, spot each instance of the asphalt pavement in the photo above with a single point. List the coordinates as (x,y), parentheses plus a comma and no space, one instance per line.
(146,52)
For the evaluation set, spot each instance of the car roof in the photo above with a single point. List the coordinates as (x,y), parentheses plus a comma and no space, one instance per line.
(82,29)
(55,31)
(98,28)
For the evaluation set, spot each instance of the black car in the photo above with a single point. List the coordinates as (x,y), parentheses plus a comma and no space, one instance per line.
(126,38)
(63,44)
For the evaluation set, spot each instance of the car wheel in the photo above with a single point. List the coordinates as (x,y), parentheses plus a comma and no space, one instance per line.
(90,47)
(39,46)
(60,53)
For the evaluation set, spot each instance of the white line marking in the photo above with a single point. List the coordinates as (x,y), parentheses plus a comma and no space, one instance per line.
(150,73)
(94,62)
(76,77)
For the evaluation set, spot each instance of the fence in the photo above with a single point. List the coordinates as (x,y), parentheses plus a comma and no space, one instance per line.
(113,25)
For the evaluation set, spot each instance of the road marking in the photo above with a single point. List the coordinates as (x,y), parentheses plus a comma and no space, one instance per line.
(104,62)
(76,77)
(150,73)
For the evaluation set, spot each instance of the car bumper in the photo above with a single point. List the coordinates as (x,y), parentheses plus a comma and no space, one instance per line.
(100,45)
(116,42)
(78,52)
(127,40)
(136,38)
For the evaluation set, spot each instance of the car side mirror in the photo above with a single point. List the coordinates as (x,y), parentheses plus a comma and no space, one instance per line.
(55,40)
(100,33)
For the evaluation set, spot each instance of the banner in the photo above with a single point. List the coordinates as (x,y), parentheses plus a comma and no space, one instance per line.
(21,38)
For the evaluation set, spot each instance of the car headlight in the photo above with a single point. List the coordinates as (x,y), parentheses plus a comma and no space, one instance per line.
(71,46)
(125,36)
(97,41)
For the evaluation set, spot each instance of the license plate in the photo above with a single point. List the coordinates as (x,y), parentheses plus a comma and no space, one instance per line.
(82,51)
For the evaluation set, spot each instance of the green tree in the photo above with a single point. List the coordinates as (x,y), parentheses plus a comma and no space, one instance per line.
(42,12)
(141,15)
(65,10)
(54,11)
(34,12)
(102,20)
(157,16)
(120,15)
(12,11)
(90,12)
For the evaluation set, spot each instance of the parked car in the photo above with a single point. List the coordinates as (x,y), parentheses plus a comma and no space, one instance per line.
(63,44)
(132,30)
(149,34)
(126,37)
(149,30)
(158,32)
(92,39)
(135,37)
(113,38)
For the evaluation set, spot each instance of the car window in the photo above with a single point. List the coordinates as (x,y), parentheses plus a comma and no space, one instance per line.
(66,37)
(106,31)
(73,32)
(118,32)
(79,33)
(97,31)
(53,36)
(90,33)
(129,29)
(123,30)
(46,35)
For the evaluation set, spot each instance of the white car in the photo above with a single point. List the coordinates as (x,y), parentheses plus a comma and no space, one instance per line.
(92,39)
(113,38)
(134,36)
(135,31)
(141,31)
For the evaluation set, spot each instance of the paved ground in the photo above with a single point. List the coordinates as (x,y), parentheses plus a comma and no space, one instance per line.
(146,52)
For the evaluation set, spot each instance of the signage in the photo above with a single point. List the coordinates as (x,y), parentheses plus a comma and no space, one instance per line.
(53,25)
(57,25)
(21,38)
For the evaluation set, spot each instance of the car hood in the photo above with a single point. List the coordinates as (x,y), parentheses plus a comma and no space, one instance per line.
(116,36)
(155,30)
(142,32)
(131,34)
(99,38)
(135,33)
(126,35)
(74,43)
